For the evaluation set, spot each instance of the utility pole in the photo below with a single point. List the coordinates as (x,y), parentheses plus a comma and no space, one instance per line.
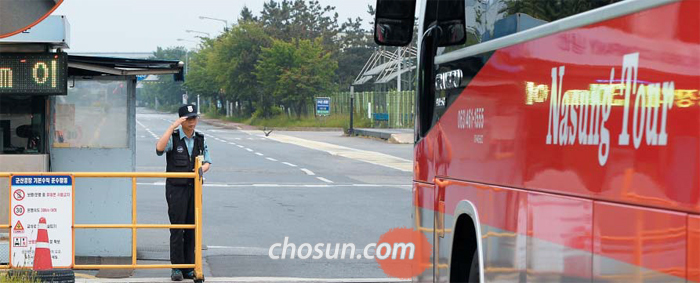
(398,78)
(352,107)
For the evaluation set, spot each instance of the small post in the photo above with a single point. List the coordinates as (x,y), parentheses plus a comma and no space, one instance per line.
(352,108)
(133,221)
(199,107)
(198,274)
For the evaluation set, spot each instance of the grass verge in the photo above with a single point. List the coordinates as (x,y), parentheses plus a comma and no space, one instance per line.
(282,121)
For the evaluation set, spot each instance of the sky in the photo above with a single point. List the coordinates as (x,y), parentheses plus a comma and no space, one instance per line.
(143,25)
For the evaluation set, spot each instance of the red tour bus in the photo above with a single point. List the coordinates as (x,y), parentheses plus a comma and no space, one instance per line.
(556,140)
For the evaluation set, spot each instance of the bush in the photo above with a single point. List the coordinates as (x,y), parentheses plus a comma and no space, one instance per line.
(274,111)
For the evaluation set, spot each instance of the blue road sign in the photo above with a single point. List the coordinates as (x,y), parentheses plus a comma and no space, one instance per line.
(323,106)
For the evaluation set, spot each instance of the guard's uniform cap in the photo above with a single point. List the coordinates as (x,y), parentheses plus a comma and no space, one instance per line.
(188,110)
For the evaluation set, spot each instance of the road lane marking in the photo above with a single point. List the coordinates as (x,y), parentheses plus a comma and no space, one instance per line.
(308,172)
(372,157)
(289,164)
(248,149)
(238,139)
(147,129)
(317,186)
(325,180)
(271,159)
(258,154)
(240,146)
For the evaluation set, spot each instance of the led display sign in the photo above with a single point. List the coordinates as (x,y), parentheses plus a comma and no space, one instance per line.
(33,73)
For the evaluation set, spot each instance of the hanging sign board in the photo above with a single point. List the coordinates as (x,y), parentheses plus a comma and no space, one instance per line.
(33,197)
(33,73)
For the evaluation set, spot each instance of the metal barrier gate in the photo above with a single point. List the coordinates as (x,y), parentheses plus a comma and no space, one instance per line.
(197,226)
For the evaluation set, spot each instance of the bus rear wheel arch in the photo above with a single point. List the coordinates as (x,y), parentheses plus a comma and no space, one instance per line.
(465,253)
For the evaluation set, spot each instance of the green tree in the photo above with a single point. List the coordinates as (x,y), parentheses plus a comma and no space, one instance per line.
(247,15)
(199,79)
(233,63)
(356,46)
(553,10)
(298,19)
(294,72)
(275,17)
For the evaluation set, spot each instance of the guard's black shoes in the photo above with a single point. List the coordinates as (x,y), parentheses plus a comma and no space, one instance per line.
(189,275)
(176,275)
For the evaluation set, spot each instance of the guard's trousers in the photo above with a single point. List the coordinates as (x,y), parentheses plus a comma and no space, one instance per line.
(181,211)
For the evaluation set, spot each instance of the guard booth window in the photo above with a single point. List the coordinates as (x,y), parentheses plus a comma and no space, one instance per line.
(22,125)
(92,115)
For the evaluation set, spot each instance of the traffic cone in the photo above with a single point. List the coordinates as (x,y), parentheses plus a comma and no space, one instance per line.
(42,253)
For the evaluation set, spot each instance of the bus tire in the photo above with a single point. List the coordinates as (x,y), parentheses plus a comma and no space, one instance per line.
(464,266)
(474,276)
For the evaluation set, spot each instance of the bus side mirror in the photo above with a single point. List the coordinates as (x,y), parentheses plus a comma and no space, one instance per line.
(393,24)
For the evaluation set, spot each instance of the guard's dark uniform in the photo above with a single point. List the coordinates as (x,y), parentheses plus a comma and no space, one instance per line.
(179,193)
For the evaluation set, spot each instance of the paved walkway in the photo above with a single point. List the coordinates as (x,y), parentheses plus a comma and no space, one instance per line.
(401,136)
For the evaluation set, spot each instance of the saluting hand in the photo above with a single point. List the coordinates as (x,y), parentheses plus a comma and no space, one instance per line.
(178,122)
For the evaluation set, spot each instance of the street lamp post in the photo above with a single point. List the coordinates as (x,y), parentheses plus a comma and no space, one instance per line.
(215,19)
(196,31)
(187,71)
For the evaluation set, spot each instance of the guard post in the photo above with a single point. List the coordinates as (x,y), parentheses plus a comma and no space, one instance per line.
(197,175)
(69,112)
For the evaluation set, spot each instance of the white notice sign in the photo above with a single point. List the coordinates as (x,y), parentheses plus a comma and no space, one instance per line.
(33,197)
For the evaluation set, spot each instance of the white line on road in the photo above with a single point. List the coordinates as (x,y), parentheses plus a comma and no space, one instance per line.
(325,180)
(240,146)
(308,172)
(289,164)
(259,154)
(248,149)
(147,129)
(238,139)
(271,159)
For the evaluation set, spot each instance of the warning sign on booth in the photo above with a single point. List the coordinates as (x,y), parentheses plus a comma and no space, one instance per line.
(34,197)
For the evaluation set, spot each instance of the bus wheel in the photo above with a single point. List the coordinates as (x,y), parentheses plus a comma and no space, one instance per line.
(465,260)
(474,269)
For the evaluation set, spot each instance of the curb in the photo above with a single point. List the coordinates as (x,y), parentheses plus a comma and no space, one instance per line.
(390,137)
(233,125)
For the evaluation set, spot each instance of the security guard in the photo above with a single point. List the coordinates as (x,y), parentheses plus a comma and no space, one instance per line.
(182,144)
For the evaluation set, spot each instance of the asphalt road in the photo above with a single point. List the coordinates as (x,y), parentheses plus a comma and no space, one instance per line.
(261,190)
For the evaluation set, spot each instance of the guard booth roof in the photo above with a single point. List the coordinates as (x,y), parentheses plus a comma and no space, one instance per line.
(111,66)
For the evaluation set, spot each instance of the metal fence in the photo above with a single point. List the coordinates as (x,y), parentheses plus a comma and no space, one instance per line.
(134,226)
(390,109)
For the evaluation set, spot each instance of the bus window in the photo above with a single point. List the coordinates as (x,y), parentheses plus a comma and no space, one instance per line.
(491,19)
